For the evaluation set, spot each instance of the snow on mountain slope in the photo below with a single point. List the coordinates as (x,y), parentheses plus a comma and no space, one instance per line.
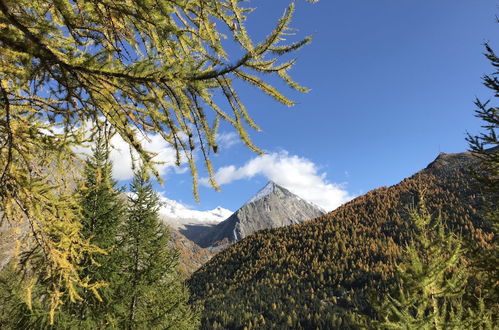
(190,223)
(269,189)
(265,191)
(175,210)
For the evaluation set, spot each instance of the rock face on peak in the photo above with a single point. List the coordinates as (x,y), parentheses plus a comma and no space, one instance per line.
(446,164)
(272,207)
(265,191)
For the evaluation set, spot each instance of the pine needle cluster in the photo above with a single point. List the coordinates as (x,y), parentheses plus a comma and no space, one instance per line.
(486,147)
(431,281)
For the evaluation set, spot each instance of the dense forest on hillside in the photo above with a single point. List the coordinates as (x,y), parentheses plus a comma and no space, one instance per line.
(321,273)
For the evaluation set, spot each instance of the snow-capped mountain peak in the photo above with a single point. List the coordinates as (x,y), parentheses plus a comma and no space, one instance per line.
(175,210)
(273,206)
(265,191)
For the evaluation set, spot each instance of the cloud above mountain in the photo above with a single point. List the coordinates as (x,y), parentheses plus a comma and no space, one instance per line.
(299,175)
(122,159)
(121,156)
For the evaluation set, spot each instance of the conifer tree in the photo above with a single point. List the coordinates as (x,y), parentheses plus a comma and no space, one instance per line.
(486,144)
(146,67)
(152,295)
(429,292)
(12,306)
(101,206)
(486,147)
(103,211)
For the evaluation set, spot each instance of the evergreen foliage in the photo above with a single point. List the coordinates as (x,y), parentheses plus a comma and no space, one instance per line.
(482,143)
(141,285)
(103,211)
(486,146)
(431,281)
(11,292)
(145,67)
(321,273)
(151,294)
(102,207)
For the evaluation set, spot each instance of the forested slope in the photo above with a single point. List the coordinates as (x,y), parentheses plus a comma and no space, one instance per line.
(321,272)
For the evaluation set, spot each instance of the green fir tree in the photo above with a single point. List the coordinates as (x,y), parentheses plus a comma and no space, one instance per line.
(486,146)
(430,281)
(152,293)
(103,210)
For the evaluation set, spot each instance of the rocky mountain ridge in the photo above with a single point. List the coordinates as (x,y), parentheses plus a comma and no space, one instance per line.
(272,207)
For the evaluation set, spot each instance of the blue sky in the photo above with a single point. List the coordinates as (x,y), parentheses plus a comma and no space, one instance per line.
(393,84)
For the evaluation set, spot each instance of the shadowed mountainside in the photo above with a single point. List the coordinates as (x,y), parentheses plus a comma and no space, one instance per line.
(192,256)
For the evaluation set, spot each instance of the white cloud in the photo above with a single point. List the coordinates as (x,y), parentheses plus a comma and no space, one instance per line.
(300,175)
(181,170)
(227,139)
(122,159)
